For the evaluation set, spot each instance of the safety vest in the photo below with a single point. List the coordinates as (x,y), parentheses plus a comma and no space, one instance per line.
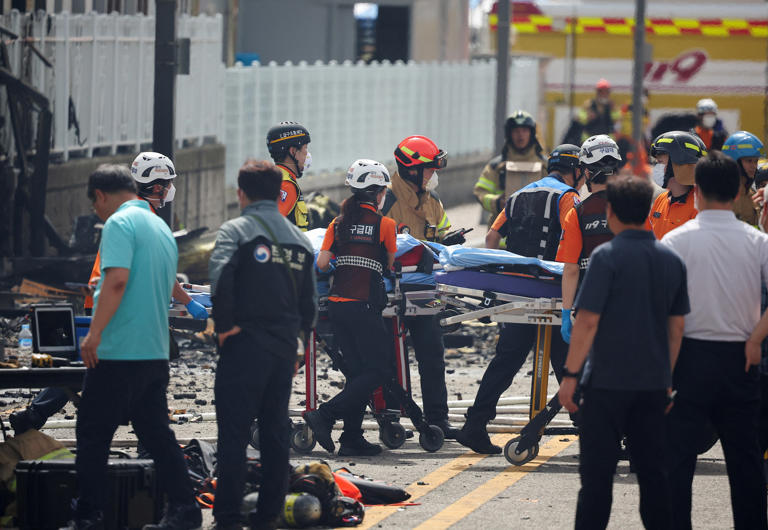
(299,214)
(360,259)
(533,218)
(594,227)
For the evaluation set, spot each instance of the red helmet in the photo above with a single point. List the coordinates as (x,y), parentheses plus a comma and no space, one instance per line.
(416,153)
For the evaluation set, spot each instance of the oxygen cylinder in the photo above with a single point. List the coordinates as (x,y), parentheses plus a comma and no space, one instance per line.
(302,510)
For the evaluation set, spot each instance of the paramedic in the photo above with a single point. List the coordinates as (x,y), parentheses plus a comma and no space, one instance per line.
(364,244)
(530,231)
(264,305)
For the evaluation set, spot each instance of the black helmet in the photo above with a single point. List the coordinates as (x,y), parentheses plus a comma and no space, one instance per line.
(564,157)
(761,175)
(519,118)
(682,147)
(284,135)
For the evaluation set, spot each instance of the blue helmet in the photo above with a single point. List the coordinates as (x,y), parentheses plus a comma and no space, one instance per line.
(743,144)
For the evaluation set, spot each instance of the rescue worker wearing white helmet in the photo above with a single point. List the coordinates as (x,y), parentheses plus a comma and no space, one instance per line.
(154,174)
(364,244)
(586,226)
(710,128)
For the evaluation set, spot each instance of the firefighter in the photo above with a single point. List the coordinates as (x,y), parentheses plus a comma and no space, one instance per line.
(417,209)
(710,128)
(677,152)
(746,149)
(531,222)
(585,227)
(364,244)
(599,114)
(520,163)
(288,144)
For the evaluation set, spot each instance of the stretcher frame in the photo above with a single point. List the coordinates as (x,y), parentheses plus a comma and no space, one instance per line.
(544,313)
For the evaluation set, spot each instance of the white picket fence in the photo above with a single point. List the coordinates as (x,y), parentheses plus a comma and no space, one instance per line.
(105,64)
(363,110)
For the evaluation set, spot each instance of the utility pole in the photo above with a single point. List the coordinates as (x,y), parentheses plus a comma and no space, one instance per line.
(637,76)
(502,71)
(164,113)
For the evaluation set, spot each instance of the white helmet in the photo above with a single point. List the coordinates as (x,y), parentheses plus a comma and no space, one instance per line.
(706,105)
(149,167)
(600,155)
(364,173)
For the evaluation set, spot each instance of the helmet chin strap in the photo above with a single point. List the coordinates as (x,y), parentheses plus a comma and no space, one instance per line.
(299,172)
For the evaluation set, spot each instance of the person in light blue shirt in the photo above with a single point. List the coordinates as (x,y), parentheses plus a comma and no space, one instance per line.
(126,352)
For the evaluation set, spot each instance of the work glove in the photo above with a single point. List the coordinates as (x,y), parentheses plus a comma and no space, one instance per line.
(197,310)
(567,326)
(454,238)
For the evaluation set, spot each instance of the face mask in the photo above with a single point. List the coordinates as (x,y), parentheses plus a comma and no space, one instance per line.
(308,161)
(380,206)
(432,184)
(709,121)
(171,194)
(603,101)
(657,174)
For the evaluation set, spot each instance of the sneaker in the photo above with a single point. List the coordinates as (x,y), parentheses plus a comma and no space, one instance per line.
(478,440)
(321,428)
(186,517)
(358,447)
(449,431)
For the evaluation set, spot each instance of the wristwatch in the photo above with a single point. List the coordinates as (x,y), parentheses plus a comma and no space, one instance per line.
(566,373)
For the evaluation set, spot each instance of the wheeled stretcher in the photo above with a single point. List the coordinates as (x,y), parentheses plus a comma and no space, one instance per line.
(419,299)
(496,285)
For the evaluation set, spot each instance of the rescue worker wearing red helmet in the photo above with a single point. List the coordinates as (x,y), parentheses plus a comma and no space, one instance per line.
(599,114)
(417,209)
(364,244)
(288,143)
(520,163)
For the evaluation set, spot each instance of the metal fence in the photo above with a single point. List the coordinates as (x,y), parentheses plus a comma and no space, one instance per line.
(101,84)
(363,110)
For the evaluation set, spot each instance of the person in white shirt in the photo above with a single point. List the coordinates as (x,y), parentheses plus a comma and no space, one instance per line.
(716,376)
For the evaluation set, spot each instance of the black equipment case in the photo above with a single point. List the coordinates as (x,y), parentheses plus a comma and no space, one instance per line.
(45,489)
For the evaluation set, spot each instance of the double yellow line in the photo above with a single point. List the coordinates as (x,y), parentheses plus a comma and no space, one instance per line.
(474,499)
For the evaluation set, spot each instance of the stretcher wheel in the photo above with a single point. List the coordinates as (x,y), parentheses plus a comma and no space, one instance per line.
(302,439)
(522,458)
(254,435)
(392,435)
(431,439)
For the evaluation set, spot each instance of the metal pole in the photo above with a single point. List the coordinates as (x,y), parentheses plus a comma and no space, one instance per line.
(502,71)
(637,75)
(165,87)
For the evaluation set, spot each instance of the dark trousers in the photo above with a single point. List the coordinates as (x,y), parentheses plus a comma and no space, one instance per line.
(606,417)
(47,403)
(427,339)
(763,413)
(113,391)
(366,346)
(712,386)
(251,384)
(514,345)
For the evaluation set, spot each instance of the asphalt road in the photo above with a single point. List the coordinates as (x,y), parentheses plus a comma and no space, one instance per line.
(454,487)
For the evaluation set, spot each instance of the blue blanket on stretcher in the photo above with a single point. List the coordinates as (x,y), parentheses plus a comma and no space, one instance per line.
(457,257)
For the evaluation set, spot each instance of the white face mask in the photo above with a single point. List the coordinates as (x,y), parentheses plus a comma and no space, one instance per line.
(657,174)
(171,194)
(432,184)
(709,120)
(380,206)
(308,161)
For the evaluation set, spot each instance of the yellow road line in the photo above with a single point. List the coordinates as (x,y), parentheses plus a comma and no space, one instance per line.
(487,491)
(441,475)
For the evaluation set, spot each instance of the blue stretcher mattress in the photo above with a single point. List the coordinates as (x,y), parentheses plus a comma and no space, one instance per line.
(501,283)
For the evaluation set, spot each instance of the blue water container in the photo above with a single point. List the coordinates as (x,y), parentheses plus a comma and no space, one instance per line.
(82,325)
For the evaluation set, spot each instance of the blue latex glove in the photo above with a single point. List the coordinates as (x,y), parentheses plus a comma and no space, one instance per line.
(567,326)
(197,310)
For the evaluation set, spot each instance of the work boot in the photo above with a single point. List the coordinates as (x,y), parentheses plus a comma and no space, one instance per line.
(357,446)
(475,437)
(449,431)
(23,420)
(179,517)
(321,428)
